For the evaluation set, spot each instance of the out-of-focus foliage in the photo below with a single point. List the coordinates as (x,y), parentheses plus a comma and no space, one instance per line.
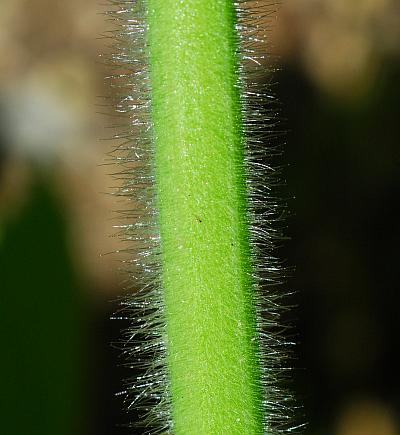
(42,327)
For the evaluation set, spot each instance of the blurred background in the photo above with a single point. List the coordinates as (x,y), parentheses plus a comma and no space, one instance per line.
(337,81)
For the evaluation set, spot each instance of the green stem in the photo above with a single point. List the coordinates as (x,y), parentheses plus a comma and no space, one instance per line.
(212,344)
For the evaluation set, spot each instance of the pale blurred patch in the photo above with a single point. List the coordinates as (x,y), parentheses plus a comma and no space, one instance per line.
(341,44)
(50,80)
(367,417)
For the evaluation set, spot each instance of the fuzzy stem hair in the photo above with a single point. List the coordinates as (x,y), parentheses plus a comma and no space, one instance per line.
(202,227)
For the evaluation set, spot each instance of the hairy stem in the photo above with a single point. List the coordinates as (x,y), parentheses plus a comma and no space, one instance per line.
(212,343)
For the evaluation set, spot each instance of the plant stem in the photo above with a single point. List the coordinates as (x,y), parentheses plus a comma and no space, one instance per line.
(212,343)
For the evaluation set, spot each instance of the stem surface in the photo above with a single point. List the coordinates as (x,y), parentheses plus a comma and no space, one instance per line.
(210,312)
